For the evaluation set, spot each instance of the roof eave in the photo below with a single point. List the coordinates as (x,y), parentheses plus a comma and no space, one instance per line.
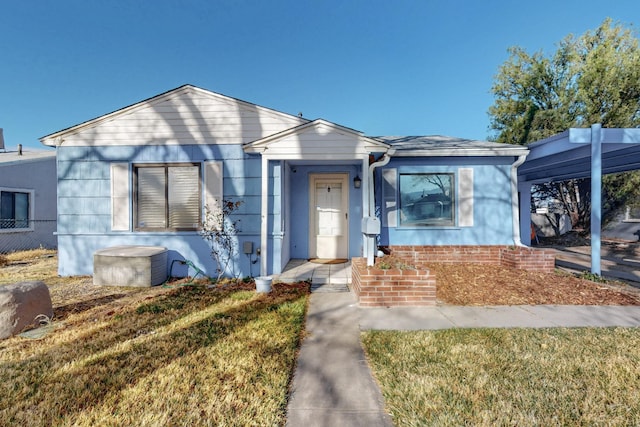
(478,152)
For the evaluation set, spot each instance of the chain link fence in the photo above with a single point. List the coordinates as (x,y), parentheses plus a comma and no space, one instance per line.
(33,234)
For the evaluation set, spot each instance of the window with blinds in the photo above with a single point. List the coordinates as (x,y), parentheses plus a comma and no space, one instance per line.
(167,196)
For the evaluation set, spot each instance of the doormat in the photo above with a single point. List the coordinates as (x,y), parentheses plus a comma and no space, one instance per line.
(328,260)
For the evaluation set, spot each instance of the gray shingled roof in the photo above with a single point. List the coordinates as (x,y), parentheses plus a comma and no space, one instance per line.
(438,145)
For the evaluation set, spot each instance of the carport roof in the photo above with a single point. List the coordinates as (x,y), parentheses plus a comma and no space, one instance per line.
(582,153)
(567,155)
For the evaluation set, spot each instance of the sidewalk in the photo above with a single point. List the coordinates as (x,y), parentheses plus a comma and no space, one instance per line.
(332,384)
(521,316)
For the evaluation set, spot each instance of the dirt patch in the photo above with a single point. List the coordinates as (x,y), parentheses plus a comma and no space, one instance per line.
(474,284)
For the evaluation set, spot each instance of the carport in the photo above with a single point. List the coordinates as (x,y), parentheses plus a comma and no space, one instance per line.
(573,154)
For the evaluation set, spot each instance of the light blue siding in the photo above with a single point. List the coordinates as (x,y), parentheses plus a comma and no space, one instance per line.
(299,200)
(84,217)
(492,212)
(77,252)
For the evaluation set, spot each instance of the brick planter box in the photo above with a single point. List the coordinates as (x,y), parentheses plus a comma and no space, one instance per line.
(528,259)
(375,287)
(518,257)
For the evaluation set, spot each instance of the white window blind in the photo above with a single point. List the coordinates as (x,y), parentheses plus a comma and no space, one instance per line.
(183,198)
(167,197)
(151,202)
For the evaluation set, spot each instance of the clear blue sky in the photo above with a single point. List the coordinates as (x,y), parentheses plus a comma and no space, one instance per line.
(381,67)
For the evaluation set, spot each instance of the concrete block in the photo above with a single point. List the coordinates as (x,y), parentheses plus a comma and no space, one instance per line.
(20,304)
(140,266)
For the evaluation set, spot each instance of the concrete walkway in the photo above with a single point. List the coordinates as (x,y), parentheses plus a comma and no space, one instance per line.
(323,277)
(621,265)
(332,384)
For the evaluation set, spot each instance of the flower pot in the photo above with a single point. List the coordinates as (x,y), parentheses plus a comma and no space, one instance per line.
(263,284)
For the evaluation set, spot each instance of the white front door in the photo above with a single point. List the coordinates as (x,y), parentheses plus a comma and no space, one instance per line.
(329,225)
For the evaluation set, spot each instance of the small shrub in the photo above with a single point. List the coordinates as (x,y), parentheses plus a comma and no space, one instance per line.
(220,231)
(593,277)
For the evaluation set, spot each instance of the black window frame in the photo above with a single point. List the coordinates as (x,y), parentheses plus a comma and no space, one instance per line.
(11,223)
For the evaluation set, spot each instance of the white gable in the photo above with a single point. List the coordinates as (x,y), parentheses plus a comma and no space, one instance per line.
(187,115)
(317,140)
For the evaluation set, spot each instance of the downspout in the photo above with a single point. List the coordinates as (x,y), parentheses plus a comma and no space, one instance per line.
(515,211)
(371,210)
(386,157)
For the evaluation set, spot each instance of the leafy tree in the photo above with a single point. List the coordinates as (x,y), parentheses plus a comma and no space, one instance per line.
(594,78)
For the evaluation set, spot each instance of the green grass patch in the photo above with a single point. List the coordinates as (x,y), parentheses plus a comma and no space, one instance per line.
(490,377)
(185,356)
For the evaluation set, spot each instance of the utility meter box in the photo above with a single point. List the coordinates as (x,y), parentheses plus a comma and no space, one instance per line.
(370,225)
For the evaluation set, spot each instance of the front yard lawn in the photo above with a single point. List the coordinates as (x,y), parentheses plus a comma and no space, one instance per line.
(488,377)
(186,355)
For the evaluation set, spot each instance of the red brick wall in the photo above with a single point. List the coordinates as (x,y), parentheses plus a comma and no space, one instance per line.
(419,255)
(528,259)
(391,288)
(518,257)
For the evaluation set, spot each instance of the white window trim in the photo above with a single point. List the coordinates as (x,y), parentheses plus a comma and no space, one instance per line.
(31,220)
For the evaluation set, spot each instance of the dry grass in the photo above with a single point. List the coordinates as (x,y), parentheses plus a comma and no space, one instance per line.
(488,377)
(187,355)
(37,264)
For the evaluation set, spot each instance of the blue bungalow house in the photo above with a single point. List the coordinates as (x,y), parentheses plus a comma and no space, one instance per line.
(142,175)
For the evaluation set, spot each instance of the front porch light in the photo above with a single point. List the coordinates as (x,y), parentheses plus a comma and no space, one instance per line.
(357,182)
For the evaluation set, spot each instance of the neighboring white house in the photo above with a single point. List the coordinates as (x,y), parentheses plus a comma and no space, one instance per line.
(27,199)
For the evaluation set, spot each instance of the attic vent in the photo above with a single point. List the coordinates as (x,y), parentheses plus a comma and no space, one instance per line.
(1,140)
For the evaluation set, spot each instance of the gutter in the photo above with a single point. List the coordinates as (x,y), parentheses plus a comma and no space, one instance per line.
(515,211)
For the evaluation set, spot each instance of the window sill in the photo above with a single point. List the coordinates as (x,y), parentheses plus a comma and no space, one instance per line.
(428,227)
(16,230)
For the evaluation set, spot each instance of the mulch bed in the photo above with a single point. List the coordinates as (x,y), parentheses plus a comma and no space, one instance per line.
(475,284)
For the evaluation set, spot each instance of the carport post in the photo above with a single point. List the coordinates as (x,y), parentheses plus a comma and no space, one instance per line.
(596,196)
(524,193)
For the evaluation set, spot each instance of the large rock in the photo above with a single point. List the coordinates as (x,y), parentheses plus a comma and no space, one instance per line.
(20,305)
